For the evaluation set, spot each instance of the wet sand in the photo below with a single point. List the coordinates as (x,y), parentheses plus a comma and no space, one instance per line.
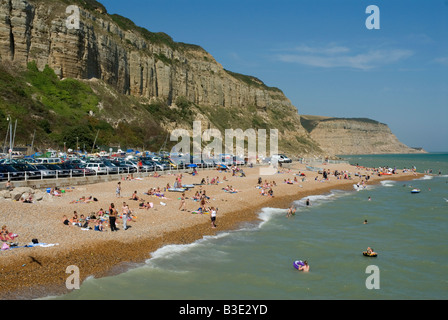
(28,273)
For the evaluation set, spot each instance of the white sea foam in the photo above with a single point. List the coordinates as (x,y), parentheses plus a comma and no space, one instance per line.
(320,198)
(174,250)
(388,183)
(267,214)
(426,177)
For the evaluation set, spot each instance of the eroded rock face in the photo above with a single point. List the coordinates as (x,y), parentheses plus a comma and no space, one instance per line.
(356,136)
(37,30)
(128,59)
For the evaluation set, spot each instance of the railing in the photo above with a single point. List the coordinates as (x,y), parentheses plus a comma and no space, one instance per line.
(39,175)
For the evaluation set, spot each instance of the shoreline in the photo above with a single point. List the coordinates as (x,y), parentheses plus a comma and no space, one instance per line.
(41,272)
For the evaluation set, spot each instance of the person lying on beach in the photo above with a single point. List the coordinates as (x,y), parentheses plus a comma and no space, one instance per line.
(56,192)
(28,199)
(83,199)
(90,199)
(230,189)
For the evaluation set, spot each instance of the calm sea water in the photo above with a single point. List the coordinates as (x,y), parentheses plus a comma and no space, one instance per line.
(408,231)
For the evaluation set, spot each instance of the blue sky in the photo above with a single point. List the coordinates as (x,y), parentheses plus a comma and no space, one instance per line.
(322,56)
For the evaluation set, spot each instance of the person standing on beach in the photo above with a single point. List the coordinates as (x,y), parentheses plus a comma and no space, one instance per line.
(182,202)
(125,215)
(118,190)
(213,216)
(112,217)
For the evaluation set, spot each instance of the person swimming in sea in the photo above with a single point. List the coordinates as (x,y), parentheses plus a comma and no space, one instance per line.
(291,212)
(305,268)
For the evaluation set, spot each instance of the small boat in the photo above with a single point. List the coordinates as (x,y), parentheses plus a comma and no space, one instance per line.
(415,191)
(372,254)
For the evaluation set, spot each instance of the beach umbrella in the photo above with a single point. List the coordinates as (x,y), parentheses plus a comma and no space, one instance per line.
(193,165)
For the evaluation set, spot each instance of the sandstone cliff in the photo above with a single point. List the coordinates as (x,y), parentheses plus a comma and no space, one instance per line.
(149,66)
(145,85)
(353,136)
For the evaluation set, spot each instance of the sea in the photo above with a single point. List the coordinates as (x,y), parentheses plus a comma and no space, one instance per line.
(408,231)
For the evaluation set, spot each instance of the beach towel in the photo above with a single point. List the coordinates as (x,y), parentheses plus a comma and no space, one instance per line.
(11,235)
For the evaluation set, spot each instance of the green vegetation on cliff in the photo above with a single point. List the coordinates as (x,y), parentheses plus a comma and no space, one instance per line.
(68,111)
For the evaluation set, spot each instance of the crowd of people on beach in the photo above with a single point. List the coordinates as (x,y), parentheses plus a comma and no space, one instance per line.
(103,220)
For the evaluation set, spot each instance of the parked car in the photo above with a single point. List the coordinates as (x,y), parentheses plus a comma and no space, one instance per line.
(148,165)
(87,171)
(29,171)
(11,173)
(100,168)
(60,172)
(130,163)
(45,172)
(124,168)
(169,164)
(75,172)
(111,167)
(47,160)
(281,158)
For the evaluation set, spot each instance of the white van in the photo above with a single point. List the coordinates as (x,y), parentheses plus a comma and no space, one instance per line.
(100,168)
(281,158)
(47,160)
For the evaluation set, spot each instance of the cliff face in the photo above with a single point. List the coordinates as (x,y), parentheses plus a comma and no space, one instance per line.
(173,83)
(111,48)
(353,136)
(149,66)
